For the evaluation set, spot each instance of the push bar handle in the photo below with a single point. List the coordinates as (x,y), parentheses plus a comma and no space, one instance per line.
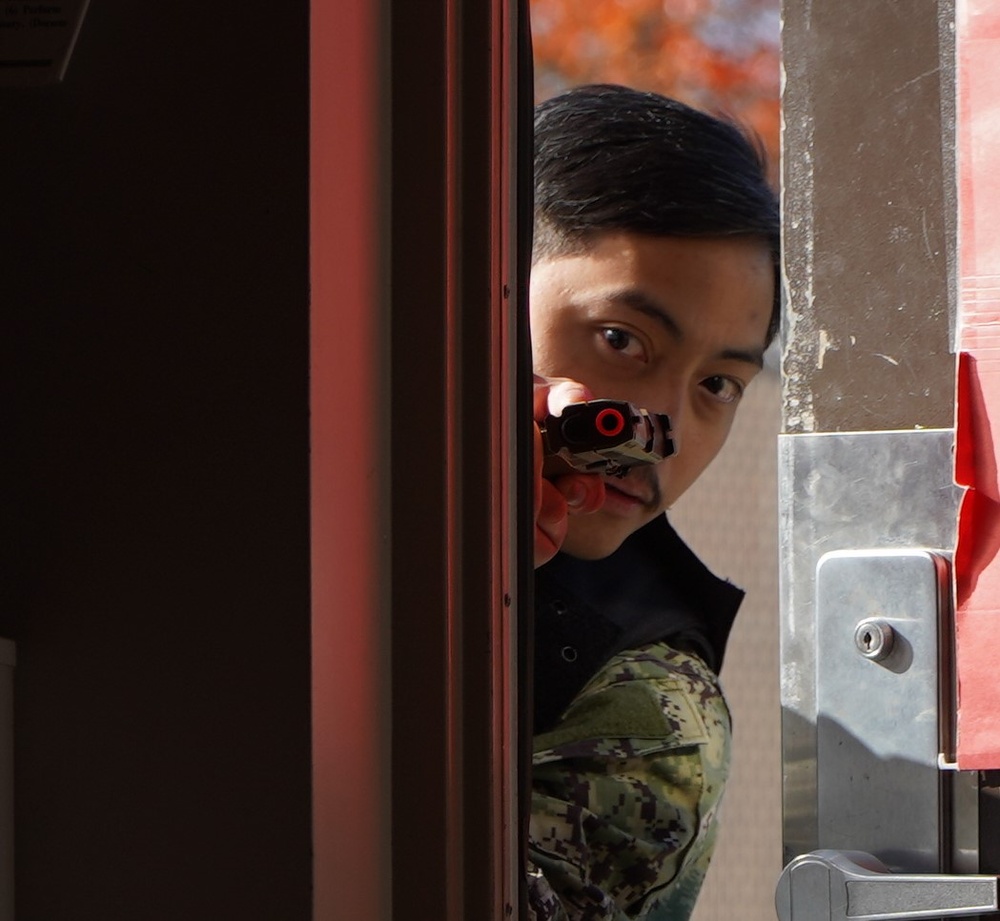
(854,886)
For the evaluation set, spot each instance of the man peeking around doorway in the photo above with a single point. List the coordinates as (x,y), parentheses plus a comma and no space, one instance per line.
(654,281)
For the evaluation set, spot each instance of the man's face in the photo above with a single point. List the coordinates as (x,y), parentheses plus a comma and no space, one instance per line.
(672,324)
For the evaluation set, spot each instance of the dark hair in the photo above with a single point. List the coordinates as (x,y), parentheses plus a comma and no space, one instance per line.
(609,158)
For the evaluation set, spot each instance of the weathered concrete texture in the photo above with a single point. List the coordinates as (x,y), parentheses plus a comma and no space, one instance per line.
(869,215)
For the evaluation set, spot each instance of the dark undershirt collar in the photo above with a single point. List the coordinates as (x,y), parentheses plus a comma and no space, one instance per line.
(587,611)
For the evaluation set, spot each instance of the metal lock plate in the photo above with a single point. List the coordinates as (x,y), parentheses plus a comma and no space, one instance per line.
(879,705)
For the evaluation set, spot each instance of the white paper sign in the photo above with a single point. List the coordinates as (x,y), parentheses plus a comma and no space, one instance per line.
(37,39)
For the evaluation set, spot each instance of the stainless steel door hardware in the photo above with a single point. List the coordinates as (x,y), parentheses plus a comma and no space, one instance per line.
(853,886)
(862,735)
(874,638)
(883,704)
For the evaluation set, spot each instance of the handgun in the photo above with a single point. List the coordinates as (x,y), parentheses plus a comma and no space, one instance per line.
(607,436)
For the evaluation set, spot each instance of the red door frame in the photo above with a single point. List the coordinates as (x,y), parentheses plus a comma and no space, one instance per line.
(412,394)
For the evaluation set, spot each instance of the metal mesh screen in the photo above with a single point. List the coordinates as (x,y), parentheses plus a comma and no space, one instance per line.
(730,518)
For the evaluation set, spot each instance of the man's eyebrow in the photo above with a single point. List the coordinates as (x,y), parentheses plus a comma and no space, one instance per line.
(637,300)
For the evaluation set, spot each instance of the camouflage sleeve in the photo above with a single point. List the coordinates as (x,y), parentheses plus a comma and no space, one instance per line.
(625,792)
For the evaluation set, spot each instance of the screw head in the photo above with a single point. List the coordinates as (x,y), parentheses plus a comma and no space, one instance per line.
(874,638)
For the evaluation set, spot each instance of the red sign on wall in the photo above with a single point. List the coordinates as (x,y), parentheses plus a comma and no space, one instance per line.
(977,557)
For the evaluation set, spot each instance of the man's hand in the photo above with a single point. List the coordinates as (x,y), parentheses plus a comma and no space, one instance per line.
(569,494)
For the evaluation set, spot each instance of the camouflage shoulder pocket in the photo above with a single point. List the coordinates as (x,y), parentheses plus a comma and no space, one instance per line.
(624,720)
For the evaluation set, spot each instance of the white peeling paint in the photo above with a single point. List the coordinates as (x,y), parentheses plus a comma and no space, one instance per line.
(825,345)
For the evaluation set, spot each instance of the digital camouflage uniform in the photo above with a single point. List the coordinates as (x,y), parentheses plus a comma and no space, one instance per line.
(626,788)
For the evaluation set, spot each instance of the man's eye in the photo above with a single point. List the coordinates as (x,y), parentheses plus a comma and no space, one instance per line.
(622,341)
(723,389)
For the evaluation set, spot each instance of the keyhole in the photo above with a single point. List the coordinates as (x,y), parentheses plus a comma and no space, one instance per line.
(873,638)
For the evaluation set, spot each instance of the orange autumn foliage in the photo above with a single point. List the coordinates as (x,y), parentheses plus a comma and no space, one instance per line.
(717,55)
